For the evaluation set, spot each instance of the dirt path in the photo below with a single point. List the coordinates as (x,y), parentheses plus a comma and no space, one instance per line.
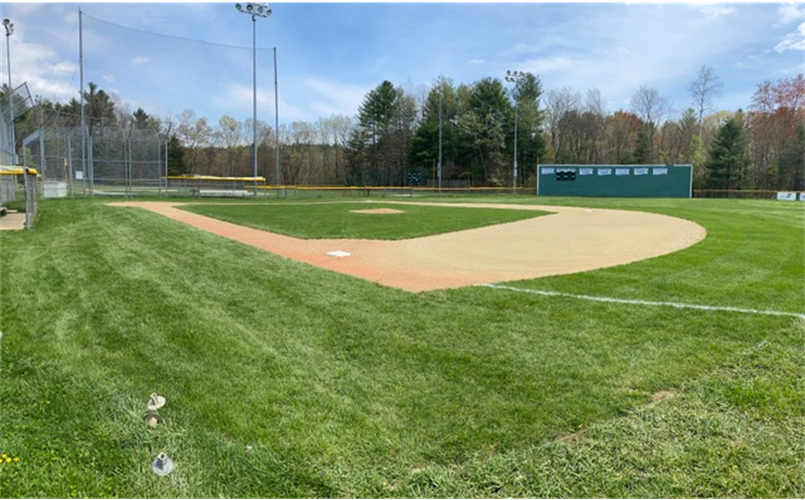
(570,240)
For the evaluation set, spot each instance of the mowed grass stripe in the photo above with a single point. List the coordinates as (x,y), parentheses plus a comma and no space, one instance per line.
(346,388)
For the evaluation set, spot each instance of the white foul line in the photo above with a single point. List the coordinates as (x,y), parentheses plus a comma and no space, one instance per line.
(644,302)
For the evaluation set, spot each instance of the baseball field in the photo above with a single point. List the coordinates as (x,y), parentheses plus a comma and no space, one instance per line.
(677,370)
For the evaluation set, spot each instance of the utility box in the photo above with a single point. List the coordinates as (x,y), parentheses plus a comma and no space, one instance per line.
(54,189)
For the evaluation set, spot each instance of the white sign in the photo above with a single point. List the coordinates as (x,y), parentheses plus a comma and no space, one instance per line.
(604,171)
(660,171)
(786,196)
(547,171)
(621,171)
(585,171)
(641,171)
(801,196)
(79,175)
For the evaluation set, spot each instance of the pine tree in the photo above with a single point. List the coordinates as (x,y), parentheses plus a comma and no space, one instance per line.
(176,165)
(727,164)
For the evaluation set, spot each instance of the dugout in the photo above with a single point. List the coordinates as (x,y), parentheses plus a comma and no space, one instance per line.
(626,181)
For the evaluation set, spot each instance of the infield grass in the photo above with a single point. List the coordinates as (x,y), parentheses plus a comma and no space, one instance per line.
(345,388)
(349,220)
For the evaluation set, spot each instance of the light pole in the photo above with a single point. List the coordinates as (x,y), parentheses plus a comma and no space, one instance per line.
(9,26)
(255,10)
(514,77)
(441,95)
(276,121)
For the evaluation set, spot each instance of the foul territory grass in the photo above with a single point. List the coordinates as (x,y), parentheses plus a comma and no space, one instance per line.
(349,220)
(283,380)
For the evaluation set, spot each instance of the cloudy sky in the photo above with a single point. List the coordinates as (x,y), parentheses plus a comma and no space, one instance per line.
(168,57)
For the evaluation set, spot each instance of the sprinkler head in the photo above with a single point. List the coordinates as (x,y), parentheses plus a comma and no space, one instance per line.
(152,419)
(162,465)
(156,402)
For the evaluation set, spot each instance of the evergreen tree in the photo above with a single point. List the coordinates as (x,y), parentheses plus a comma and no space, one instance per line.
(176,165)
(642,149)
(728,162)
(791,164)
(386,120)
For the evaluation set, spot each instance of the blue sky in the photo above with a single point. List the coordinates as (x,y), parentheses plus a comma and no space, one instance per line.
(331,54)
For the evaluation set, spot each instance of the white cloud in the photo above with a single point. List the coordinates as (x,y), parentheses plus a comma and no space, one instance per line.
(792,41)
(789,13)
(709,10)
(62,68)
(334,96)
(55,89)
(709,13)
(140,60)
(476,61)
(24,9)
(551,64)
(108,78)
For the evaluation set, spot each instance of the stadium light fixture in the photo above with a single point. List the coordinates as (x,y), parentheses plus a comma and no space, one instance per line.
(514,77)
(255,10)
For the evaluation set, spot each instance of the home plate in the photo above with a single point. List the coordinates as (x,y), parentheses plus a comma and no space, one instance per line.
(338,253)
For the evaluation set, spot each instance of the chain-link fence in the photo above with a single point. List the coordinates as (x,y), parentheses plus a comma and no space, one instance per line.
(21,183)
(114,160)
(12,106)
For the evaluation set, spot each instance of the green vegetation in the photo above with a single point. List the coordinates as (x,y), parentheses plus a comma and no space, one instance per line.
(345,388)
(339,220)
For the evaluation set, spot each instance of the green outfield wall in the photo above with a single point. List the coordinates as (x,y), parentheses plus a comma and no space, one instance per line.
(626,181)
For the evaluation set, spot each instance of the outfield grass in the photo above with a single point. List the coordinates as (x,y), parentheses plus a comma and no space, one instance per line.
(345,388)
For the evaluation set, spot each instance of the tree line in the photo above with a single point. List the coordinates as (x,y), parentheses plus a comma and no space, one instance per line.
(400,131)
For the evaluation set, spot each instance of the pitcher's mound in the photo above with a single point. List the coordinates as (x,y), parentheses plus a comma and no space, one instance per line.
(379,211)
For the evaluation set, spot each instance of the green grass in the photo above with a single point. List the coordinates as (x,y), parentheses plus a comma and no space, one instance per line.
(339,220)
(345,388)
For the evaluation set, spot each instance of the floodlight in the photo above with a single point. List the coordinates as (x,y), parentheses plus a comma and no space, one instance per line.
(255,10)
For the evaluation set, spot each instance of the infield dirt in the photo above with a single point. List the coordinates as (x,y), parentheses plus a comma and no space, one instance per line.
(570,240)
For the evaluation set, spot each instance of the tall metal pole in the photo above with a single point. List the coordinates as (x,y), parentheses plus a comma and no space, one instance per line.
(276,118)
(254,95)
(515,147)
(81,94)
(254,9)
(514,77)
(9,30)
(441,94)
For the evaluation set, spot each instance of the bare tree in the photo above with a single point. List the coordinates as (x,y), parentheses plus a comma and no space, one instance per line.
(703,90)
(229,137)
(595,102)
(558,103)
(651,107)
(194,135)
(596,110)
